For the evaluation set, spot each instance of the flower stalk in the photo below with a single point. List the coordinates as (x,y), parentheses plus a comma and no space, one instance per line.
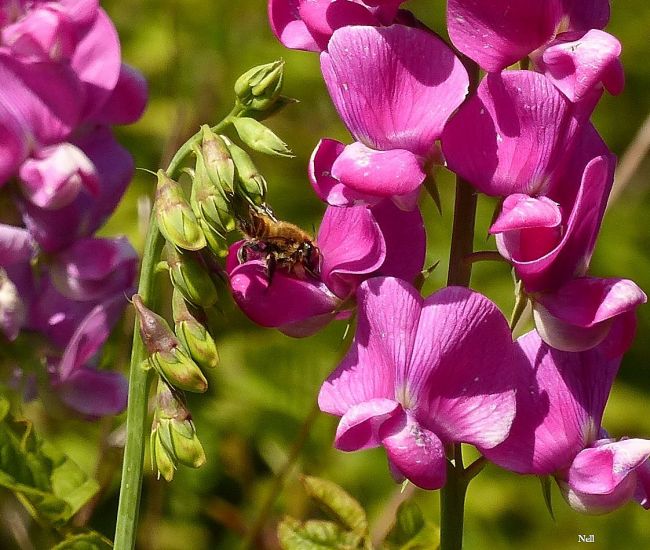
(136,415)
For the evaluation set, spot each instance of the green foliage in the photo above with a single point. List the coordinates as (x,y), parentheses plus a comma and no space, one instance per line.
(85,541)
(52,486)
(411,531)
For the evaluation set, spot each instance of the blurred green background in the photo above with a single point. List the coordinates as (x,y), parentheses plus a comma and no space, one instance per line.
(191,52)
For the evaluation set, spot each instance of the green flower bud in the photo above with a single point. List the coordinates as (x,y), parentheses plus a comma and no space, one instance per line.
(260,138)
(176,221)
(218,162)
(280,103)
(209,200)
(250,184)
(192,334)
(179,370)
(165,353)
(216,241)
(259,87)
(190,277)
(162,460)
(173,430)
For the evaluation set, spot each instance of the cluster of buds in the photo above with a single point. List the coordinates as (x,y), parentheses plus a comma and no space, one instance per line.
(225,185)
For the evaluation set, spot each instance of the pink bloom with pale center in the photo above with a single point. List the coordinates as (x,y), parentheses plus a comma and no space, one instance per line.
(421,374)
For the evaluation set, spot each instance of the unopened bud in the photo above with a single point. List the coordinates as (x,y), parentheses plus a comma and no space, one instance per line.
(216,241)
(250,184)
(165,353)
(162,460)
(209,201)
(190,277)
(12,308)
(260,138)
(173,435)
(192,334)
(176,221)
(218,162)
(259,87)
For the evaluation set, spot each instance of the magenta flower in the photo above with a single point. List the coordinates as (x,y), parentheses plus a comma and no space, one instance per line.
(423,373)
(394,104)
(497,34)
(309,24)
(555,173)
(560,402)
(355,243)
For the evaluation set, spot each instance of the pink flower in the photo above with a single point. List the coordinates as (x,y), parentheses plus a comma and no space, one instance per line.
(394,104)
(423,373)
(560,402)
(497,34)
(309,24)
(355,243)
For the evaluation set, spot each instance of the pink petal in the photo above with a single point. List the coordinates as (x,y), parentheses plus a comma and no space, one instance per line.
(286,301)
(560,403)
(94,268)
(601,469)
(359,426)
(405,239)
(57,229)
(642,494)
(379,173)
(15,245)
(327,187)
(578,63)
(128,99)
(522,127)
(41,98)
(14,143)
(351,244)
(579,314)
(288,27)
(417,453)
(90,335)
(593,166)
(97,63)
(55,175)
(587,14)
(387,97)
(388,312)
(454,391)
(523,212)
(497,33)
(95,393)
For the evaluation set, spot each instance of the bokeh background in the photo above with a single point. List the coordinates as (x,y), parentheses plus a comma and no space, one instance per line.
(191,52)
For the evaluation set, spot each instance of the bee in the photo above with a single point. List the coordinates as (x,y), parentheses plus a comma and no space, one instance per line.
(281,244)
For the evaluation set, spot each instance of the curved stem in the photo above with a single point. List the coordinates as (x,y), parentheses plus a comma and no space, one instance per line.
(452,495)
(136,413)
(253,534)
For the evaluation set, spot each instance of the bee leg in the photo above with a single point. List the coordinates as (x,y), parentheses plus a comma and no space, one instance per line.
(271,264)
(242,253)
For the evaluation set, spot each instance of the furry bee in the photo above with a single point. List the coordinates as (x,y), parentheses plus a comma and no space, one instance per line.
(281,244)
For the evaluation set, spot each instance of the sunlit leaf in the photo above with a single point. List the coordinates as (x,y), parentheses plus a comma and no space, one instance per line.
(315,535)
(411,531)
(85,541)
(336,502)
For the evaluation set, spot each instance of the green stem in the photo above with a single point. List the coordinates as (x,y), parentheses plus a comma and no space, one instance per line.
(452,495)
(136,413)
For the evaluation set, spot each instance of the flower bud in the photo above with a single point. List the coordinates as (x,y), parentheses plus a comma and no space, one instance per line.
(176,221)
(192,334)
(218,162)
(250,184)
(165,353)
(260,138)
(173,437)
(216,241)
(190,277)
(259,87)
(209,200)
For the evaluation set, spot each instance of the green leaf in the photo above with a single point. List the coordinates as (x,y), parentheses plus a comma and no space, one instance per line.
(85,541)
(411,531)
(315,535)
(546,493)
(47,482)
(339,504)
